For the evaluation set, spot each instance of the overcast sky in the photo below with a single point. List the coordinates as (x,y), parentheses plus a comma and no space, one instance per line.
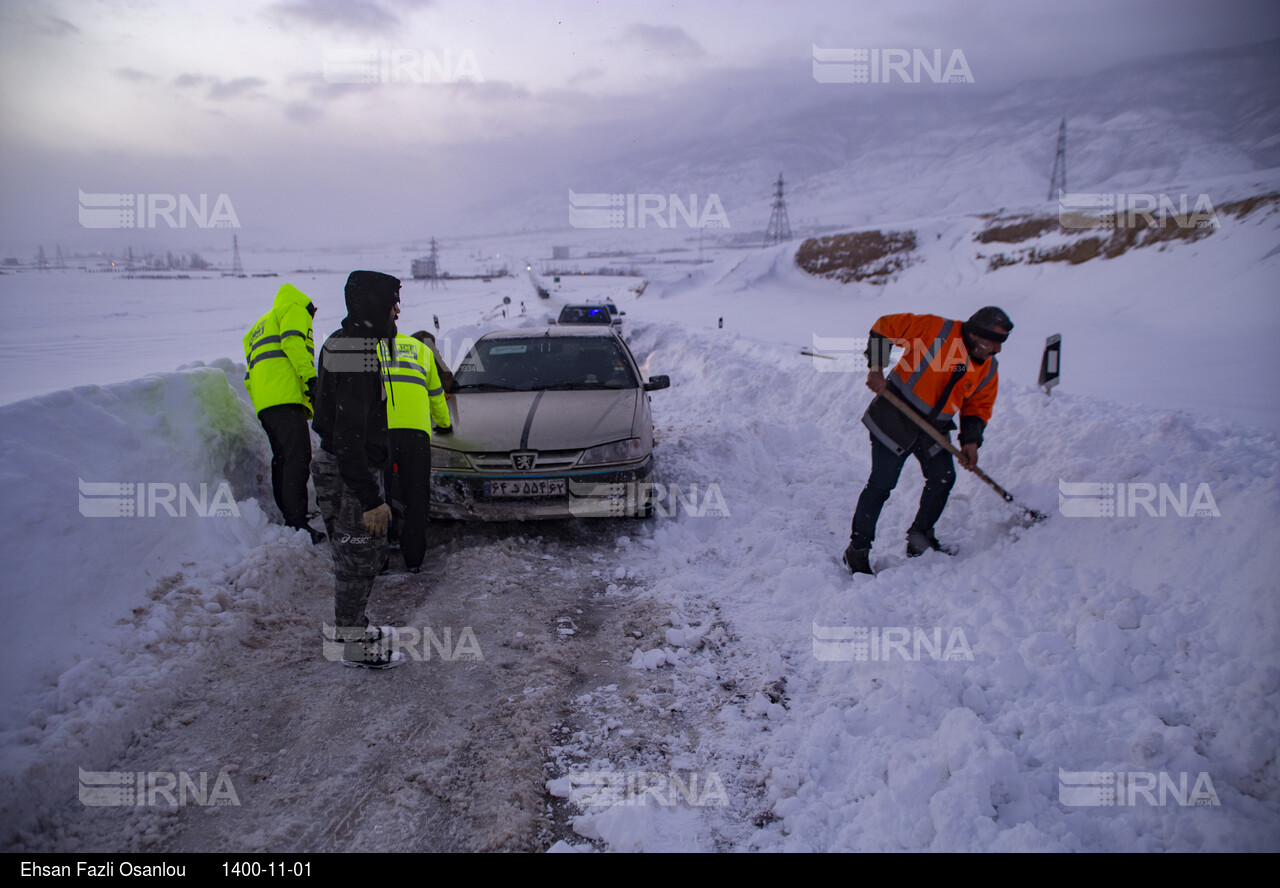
(208,97)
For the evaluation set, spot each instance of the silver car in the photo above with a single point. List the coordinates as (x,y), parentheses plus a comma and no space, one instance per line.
(551,422)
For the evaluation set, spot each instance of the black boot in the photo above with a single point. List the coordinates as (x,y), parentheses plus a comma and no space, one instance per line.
(858,561)
(920,541)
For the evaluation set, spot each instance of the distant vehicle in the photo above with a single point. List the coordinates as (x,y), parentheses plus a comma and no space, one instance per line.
(552,422)
(584,314)
(616,316)
(543,292)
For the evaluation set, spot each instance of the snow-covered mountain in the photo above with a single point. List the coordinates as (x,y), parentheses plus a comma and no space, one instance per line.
(856,154)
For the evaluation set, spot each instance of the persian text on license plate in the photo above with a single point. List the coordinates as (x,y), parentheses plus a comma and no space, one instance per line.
(526,487)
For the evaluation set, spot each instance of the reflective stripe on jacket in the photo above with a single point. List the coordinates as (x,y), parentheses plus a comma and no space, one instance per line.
(415,396)
(279,353)
(934,354)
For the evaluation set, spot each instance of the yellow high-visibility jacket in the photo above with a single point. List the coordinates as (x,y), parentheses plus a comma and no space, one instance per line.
(415,396)
(280,352)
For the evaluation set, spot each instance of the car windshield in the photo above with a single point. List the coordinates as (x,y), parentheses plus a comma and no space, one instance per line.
(545,362)
(585,314)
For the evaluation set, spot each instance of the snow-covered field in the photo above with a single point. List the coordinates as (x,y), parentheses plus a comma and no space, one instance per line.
(714,644)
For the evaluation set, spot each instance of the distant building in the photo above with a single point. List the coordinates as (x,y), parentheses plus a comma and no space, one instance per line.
(559,252)
(424,269)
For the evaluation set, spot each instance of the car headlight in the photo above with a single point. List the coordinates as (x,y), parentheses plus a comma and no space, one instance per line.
(619,451)
(443,458)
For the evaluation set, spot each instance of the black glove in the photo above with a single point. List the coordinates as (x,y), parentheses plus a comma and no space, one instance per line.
(444,430)
(311,390)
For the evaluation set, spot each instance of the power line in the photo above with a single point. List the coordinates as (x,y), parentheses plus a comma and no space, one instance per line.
(779,225)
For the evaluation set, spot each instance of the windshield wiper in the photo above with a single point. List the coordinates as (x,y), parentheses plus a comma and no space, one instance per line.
(571,386)
(487,387)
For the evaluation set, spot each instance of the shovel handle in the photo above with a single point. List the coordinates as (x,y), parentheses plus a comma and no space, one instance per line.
(924,425)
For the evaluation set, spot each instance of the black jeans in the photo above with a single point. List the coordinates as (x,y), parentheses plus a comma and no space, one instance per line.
(409,491)
(939,477)
(286,428)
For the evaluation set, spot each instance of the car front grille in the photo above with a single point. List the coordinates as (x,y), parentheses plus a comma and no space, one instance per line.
(547,460)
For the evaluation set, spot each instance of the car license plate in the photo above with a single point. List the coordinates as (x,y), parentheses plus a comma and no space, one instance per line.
(526,487)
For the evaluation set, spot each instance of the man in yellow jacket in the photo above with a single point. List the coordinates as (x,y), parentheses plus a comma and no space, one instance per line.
(947,376)
(415,399)
(280,377)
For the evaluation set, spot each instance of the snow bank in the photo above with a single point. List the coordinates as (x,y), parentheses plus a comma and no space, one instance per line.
(1136,645)
(106,613)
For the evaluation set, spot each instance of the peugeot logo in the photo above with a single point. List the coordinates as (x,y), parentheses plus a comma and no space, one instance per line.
(524,460)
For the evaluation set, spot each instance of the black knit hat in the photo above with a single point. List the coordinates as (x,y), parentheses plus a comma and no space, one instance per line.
(984,321)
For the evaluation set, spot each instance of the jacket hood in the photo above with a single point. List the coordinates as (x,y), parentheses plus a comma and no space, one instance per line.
(288,295)
(370,298)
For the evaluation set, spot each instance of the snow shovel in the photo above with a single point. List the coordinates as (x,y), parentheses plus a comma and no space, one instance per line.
(1029,515)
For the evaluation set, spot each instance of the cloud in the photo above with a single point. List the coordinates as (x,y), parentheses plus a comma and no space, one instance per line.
(325,92)
(586,75)
(229,89)
(189,80)
(663,39)
(302,112)
(489,91)
(358,15)
(56,26)
(134,75)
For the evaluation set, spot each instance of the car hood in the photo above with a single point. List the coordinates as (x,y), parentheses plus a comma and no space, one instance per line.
(547,420)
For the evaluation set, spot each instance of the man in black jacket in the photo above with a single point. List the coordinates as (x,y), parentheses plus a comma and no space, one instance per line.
(351,420)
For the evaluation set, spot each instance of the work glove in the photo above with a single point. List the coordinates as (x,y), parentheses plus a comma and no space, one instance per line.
(311,390)
(376,521)
(444,430)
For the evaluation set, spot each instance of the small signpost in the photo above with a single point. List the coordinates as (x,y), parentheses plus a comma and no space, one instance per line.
(1049,363)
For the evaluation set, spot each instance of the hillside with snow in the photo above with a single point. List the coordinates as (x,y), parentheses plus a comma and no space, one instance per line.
(948,703)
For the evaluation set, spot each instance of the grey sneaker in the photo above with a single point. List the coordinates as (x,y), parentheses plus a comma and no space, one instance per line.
(373,650)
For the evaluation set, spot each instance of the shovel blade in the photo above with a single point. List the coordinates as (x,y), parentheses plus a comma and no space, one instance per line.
(1031,517)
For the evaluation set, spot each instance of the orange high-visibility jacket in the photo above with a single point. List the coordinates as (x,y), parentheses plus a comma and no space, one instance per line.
(934,349)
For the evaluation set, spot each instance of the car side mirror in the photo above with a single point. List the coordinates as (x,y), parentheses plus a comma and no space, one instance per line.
(656,383)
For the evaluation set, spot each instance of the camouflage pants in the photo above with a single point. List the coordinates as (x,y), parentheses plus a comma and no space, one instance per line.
(357,554)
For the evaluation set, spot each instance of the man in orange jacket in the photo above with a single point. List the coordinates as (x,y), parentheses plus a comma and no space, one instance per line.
(947,374)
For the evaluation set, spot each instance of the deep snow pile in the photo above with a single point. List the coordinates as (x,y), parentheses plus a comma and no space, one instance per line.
(1143,645)
(108,612)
